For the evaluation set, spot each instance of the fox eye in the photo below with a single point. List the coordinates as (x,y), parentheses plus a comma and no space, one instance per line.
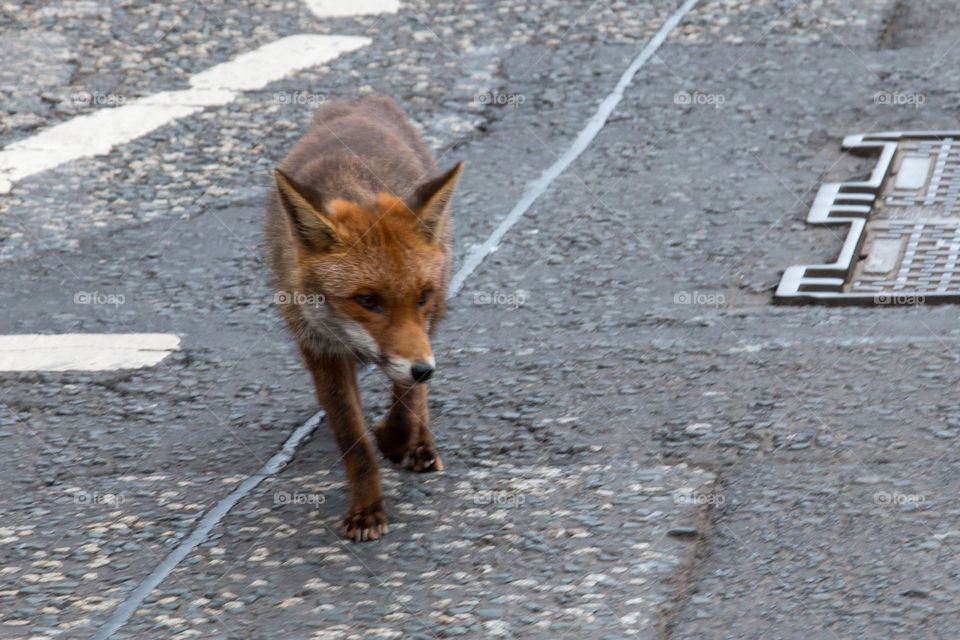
(368,302)
(424,297)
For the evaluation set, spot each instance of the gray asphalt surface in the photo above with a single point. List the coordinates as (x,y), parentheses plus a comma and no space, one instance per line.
(618,351)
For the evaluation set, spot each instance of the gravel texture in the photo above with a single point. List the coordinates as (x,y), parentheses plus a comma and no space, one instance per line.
(637,444)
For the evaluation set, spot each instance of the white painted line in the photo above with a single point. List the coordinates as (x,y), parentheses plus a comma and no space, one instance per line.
(126,609)
(537,187)
(343,8)
(846,342)
(84,351)
(274,61)
(99,132)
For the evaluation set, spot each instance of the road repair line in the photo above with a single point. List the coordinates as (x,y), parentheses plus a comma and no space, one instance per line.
(534,190)
(84,351)
(99,132)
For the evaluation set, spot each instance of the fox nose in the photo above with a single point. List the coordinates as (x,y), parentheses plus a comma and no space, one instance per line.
(421,371)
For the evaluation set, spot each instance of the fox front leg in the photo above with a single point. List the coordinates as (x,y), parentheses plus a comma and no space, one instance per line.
(336,382)
(404,437)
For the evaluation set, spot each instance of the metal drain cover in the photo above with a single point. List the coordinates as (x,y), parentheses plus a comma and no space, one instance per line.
(903,242)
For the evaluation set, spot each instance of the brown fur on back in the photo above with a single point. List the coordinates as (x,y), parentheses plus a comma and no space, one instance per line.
(353,150)
(358,149)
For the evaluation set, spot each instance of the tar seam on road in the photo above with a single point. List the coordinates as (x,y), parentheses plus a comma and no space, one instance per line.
(474,258)
(125,610)
(536,188)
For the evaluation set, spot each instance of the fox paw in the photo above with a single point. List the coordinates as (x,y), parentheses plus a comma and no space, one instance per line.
(421,459)
(418,457)
(365,524)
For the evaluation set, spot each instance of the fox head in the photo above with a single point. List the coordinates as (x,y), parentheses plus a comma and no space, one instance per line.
(380,271)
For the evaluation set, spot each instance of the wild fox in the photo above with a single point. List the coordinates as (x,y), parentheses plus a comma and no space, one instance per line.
(358,236)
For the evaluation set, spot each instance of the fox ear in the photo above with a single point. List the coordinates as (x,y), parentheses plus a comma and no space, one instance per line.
(310,226)
(431,201)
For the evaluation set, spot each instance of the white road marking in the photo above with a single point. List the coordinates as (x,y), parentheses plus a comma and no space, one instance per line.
(341,8)
(84,351)
(537,187)
(99,132)
(851,342)
(126,609)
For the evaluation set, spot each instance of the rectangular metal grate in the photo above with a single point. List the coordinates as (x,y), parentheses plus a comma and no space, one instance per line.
(903,242)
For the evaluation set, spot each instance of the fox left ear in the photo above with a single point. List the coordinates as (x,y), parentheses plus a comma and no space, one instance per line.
(311,227)
(431,201)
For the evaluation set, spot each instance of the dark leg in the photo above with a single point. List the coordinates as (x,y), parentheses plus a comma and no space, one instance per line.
(336,382)
(404,436)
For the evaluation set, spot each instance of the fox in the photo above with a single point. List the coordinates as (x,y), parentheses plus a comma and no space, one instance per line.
(359,247)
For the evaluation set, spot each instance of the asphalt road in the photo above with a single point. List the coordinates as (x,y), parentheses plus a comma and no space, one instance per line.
(636,442)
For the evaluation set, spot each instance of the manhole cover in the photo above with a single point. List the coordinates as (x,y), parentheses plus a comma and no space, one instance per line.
(903,242)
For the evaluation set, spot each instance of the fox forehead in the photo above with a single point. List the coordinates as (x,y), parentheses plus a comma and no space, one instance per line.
(380,252)
(389,273)
(384,211)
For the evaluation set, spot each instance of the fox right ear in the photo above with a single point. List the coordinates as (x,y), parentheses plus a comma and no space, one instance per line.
(432,199)
(310,226)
